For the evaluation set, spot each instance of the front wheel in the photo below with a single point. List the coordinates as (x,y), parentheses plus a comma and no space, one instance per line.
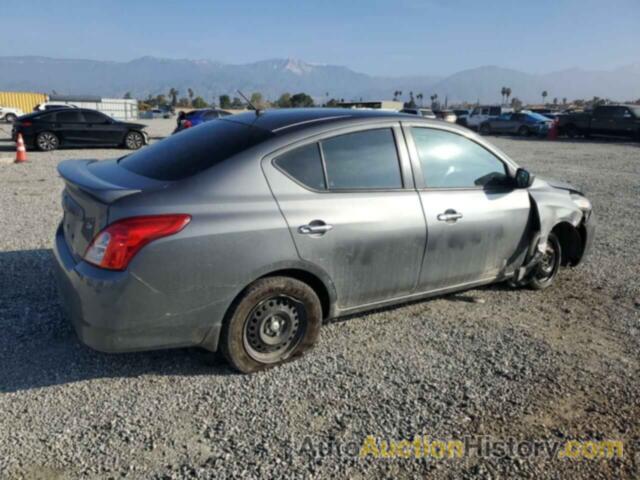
(523,131)
(546,272)
(275,320)
(10,118)
(134,140)
(485,129)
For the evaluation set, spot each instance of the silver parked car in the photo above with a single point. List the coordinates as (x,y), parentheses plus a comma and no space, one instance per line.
(243,234)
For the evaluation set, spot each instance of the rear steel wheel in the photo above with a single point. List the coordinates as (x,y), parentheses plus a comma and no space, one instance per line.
(273,329)
(273,321)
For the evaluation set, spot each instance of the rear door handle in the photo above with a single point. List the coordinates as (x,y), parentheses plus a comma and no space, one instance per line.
(449,216)
(316,227)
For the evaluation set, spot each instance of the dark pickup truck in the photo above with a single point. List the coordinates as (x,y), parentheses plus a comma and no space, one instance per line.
(614,120)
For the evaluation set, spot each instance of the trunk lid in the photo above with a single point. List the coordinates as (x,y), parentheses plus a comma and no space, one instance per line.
(91,187)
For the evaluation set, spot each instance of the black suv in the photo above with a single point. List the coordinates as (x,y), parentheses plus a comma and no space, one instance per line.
(51,129)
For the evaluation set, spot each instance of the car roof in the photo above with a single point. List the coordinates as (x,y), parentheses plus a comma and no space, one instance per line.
(290,119)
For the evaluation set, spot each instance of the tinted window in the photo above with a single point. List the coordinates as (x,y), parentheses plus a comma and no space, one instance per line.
(193,150)
(94,117)
(603,112)
(362,160)
(210,115)
(449,160)
(69,116)
(305,165)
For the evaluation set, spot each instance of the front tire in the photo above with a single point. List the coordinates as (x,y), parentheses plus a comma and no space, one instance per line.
(275,320)
(546,272)
(47,141)
(485,129)
(134,140)
(10,118)
(524,131)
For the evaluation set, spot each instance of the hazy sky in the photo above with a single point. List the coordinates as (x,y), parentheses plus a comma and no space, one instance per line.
(384,37)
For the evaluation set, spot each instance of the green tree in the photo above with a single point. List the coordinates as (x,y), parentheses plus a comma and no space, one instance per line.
(284,101)
(127,96)
(544,96)
(257,100)
(199,102)
(173,93)
(191,94)
(183,102)
(507,92)
(503,92)
(161,100)
(332,103)
(237,103)
(225,101)
(301,100)
(420,96)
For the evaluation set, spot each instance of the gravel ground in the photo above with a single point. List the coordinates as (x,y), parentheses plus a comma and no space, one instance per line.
(493,362)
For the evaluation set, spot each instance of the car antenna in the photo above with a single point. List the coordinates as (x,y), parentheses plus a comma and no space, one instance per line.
(257,110)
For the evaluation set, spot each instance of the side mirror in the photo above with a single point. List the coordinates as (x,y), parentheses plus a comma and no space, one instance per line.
(523,178)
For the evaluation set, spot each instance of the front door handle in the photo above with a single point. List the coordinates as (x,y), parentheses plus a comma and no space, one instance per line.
(317,227)
(449,216)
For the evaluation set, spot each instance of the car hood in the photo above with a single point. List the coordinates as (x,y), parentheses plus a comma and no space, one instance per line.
(556,184)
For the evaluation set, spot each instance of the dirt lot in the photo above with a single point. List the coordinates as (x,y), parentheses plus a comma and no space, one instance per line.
(496,363)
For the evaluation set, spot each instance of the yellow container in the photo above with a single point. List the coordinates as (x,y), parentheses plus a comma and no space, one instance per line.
(25,101)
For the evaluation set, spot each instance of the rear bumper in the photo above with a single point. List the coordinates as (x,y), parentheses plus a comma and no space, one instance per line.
(116,312)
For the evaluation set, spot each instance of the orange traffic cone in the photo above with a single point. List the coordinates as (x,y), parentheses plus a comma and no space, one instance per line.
(21,152)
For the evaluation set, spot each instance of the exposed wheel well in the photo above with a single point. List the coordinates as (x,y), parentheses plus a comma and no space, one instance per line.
(571,243)
(310,279)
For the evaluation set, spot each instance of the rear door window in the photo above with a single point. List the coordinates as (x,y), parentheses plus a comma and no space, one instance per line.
(69,116)
(304,165)
(362,160)
(94,117)
(194,150)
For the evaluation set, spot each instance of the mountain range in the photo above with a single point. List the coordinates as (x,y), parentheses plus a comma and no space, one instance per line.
(209,79)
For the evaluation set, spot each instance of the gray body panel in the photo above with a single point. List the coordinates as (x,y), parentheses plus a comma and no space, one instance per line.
(385,246)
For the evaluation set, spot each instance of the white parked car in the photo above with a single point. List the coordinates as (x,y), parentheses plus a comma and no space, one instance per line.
(481,114)
(10,115)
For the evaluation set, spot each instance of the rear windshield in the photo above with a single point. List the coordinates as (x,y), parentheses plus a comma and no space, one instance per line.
(194,150)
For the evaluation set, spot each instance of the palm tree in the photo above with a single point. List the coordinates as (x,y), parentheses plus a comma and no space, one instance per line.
(173,93)
(555,100)
(507,92)
(564,100)
(190,93)
(420,97)
(503,92)
(544,96)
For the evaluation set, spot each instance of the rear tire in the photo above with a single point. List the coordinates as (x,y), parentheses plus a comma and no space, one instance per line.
(545,273)
(134,140)
(47,141)
(274,321)
(10,118)
(572,131)
(485,129)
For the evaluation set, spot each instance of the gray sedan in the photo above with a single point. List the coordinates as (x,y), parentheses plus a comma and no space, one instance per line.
(245,233)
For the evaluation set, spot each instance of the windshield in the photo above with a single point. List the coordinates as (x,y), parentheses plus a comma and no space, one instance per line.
(537,117)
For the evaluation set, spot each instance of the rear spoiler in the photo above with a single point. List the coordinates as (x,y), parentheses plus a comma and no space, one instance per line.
(76,173)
